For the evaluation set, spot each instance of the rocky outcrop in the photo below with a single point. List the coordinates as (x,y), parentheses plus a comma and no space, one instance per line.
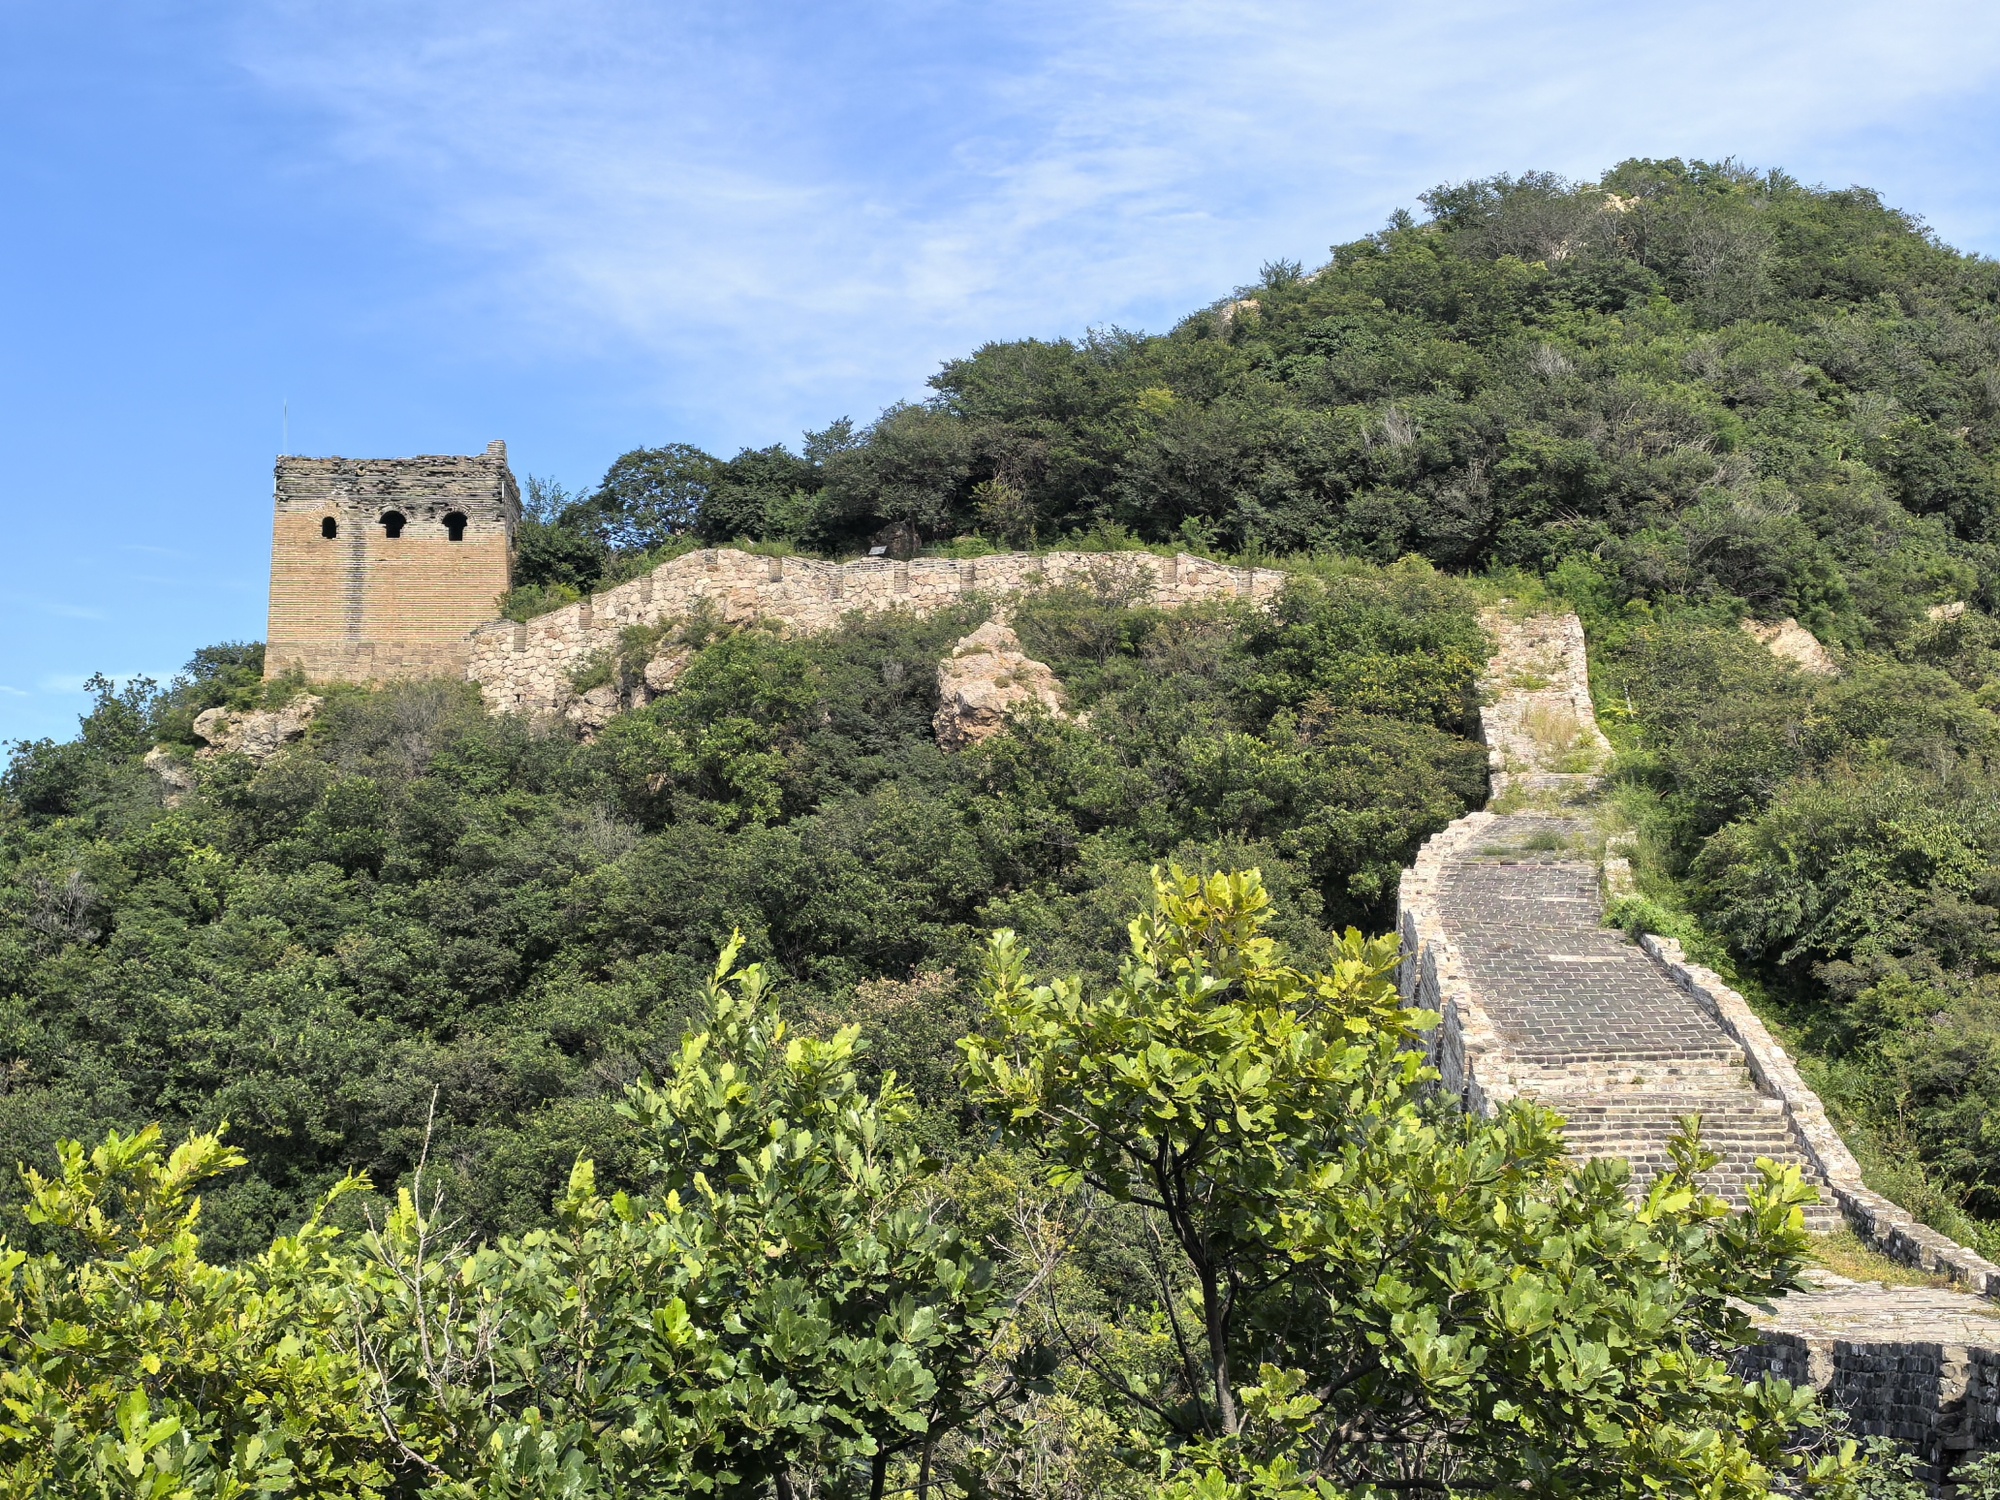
(1790,641)
(258,733)
(176,776)
(593,708)
(665,669)
(985,679)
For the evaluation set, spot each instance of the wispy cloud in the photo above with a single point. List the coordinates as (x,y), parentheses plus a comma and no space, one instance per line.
(58,609)
(780,203)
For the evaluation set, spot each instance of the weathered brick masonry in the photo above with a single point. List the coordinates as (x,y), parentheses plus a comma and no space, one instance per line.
(1916,1364)
(380,566)
(394,567)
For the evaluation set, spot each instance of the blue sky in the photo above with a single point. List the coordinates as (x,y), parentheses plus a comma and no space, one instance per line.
(587,225)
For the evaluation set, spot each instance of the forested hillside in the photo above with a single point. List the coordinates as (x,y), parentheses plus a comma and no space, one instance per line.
(1684,383)
(1677,397)
(424,897)
(427,936)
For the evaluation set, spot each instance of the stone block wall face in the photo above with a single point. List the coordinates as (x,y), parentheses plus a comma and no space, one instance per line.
(363,606)
(1938,1399)
(527,668)
(1466,1048)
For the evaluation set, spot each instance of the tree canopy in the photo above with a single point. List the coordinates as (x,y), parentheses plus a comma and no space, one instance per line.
(421,897)
(788,1299)
(1684,379)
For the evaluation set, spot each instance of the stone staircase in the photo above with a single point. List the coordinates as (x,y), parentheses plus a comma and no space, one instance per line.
(1502,924)
(1589,1024)
(1739,1130)
(1584,1022)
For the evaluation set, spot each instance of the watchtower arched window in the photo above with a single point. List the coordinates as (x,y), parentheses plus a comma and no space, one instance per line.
(454,526)
(329,528)
(392,523)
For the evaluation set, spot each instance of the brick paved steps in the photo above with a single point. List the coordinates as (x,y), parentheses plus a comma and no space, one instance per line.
(1559,986)
(1501,915)
(1695,1077)
(1586,1022)
(1740,1126)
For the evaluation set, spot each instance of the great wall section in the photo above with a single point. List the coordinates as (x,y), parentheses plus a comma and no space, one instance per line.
(1502,919)
(529,668)
(385,568)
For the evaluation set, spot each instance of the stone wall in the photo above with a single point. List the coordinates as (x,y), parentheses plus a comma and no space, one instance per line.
(1542,742)
(1466,1049)
(1543,747)
(1494,914)
(1915,1364)
(527,668)
(1538,722)
(1875,1220)
(360,605)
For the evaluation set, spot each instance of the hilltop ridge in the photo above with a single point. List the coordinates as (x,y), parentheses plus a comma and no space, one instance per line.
(1683,381)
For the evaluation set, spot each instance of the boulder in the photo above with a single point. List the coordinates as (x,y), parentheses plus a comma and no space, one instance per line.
(176,776)
(665,669)
(258,733)
(898,541)
(595,707)
(1792,642)
(1246,308)
(985,679)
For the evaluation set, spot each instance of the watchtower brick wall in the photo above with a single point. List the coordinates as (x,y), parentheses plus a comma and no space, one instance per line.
(380,566)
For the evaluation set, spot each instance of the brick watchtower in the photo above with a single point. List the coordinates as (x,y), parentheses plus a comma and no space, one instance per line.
(379,566)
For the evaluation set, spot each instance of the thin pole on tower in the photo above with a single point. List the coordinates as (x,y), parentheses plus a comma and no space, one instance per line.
(285,443)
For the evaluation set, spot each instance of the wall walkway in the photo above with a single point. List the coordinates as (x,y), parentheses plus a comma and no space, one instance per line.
(1502,923)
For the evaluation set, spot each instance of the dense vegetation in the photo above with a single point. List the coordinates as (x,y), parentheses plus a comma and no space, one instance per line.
(1838,838)
(1680,395)
(423,897)
(1683,382)
(787,1300)
(1675,398)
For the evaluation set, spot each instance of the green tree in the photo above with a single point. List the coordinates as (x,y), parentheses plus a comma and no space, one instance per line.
(131,1367)
(650,496)
(1402,643)
(1374,1293)
(784,1310)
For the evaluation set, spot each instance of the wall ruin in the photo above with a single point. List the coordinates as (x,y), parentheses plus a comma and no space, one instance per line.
(528,668)
(1580,1031)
